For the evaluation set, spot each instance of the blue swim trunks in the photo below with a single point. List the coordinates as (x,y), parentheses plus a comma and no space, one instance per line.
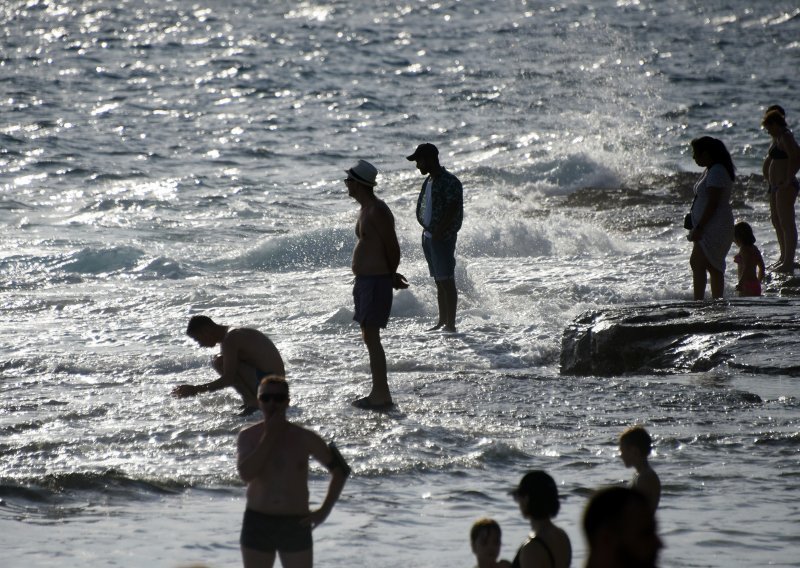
(373,299)
(441,256)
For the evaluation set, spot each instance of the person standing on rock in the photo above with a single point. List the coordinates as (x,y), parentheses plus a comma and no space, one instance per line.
(711,216)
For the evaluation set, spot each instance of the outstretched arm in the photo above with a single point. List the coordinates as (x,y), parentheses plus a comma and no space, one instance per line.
(182,391)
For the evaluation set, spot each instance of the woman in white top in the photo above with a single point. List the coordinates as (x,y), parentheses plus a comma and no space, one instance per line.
(712,217)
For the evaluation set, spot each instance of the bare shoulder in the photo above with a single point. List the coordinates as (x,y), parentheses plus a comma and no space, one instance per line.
(379,211)
(251,431)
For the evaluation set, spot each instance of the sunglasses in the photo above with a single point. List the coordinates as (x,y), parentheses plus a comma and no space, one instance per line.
(275,397)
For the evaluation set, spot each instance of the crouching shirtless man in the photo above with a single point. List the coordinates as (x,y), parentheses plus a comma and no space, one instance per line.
(273,461)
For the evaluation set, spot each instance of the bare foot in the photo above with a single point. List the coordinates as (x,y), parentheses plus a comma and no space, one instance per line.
(367,404)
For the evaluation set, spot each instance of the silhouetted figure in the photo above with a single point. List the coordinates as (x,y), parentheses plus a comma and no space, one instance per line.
(376,257)
(635,446)
(272,459)
(549,545)
(620,529)
(485,538)
(780,170)
(712,217)
(440,211)
(749,262)
(246,356)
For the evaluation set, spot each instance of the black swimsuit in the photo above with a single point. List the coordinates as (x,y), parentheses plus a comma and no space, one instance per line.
(776,153)
(515,563)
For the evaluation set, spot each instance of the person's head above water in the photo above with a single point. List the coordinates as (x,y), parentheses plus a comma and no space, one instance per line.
(537,496)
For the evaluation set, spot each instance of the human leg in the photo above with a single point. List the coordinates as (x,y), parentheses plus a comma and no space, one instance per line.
(776,223)
(302,559)
(373,302)
(257,559)
(716,281)
(785,200)
(441,301)
(379,395)
(450,303)
(440,254)
(699,263)
(246,384)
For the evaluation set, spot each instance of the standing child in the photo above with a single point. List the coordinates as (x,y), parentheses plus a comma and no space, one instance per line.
(485,537)
(748,261)
(635,445)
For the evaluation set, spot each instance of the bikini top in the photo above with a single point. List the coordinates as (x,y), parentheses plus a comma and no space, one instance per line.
(515,563)
(776,153)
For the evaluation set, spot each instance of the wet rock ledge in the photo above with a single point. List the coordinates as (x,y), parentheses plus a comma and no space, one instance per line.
(758,335)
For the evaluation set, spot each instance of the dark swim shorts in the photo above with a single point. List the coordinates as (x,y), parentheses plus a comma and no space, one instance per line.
(373,299)
(270,533)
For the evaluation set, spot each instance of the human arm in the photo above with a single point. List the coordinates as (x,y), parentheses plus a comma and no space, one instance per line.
(793,154)
(714,199)
(183,391)
(765,168)
(329,456)
(382,223)
(254,447)
(760,268)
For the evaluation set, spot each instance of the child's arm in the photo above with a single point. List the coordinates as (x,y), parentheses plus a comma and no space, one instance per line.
(759,264)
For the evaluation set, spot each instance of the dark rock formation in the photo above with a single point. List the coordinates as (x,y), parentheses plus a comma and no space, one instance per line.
(759,335)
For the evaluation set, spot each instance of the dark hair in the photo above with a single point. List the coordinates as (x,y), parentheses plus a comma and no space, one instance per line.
(778,108)
(607,509)
(275,380)
(717,152)
(482,526)
(774,117)
(637,437)
(196,323)
(541,493)
(743,233)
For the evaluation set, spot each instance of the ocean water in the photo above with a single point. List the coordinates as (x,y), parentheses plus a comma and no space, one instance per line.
(162,159)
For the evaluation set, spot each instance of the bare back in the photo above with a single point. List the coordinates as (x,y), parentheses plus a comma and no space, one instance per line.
(376,240)
(250,346)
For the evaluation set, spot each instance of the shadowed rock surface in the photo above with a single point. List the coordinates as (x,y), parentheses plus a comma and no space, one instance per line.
(759,335)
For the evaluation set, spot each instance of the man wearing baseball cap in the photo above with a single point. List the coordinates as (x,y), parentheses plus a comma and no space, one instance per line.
(440,211)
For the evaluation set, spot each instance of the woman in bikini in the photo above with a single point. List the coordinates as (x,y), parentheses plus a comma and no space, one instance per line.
(780,170)
(549,546)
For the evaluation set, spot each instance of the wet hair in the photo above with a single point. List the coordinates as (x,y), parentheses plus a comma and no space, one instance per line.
(778,108)
(196,323)
(717,152)
(275,380)
(542,494)
(483,526)
(637,437)
(743,233)
(774,117)
(607,508)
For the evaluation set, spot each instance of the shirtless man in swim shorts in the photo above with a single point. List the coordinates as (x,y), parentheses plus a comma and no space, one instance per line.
(376,257)
(272,459)
(246,356)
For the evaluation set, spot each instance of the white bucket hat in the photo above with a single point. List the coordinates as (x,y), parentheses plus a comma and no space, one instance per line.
(364,172)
